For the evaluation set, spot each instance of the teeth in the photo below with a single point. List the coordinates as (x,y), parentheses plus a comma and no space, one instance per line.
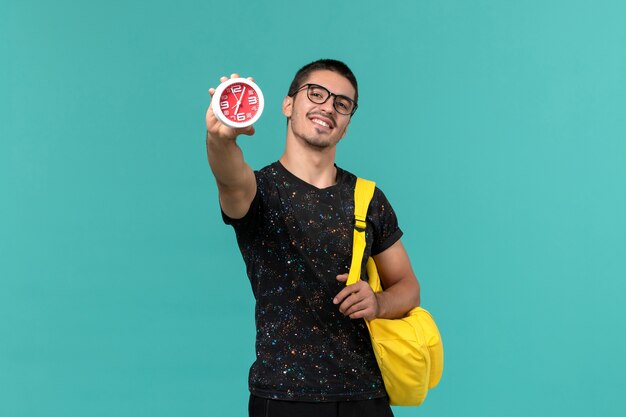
(320,122)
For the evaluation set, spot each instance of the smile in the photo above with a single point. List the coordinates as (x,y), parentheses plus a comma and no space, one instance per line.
(321,120)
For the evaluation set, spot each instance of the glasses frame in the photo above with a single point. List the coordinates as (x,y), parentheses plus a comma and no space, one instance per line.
(308,89)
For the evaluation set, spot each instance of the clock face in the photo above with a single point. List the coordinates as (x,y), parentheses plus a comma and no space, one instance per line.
(238,102)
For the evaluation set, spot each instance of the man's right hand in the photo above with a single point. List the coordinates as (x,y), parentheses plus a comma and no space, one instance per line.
(218,130)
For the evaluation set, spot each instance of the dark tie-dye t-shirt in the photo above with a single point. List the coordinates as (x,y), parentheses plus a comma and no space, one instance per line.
(295,239)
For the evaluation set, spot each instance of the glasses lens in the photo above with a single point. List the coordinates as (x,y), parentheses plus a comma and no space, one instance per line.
(343,105)
(317,94)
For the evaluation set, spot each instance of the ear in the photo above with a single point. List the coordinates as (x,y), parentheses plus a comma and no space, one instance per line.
(287,106)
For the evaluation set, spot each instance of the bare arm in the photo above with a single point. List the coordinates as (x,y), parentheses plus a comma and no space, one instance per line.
(235,179)
(401,289)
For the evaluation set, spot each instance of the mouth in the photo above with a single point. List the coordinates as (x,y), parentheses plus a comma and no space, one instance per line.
(321,121)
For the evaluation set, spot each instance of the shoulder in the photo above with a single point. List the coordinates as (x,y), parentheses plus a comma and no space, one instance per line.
(349,181)
(268,175)
(267,171)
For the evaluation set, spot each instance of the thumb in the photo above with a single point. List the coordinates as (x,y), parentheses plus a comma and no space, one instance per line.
(342,277)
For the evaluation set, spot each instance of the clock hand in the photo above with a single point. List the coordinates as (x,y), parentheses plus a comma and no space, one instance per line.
(239,100)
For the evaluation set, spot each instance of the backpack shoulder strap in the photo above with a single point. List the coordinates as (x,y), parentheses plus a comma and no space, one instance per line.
(363,193)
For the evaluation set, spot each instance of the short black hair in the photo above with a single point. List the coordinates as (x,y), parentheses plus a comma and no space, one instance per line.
(324,64)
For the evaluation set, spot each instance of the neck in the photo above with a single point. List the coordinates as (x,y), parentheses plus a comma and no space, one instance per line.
(315,166)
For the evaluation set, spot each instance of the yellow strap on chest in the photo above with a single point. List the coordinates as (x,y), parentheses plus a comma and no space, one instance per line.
(363,193)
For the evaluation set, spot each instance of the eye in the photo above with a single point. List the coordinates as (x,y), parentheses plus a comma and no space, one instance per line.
(342,104)
(317,94)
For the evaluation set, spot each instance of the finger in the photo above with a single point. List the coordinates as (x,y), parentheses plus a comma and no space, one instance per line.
(366,308)
(343,294)
(351,302)
(248,131)
(347,304)
(342,277)
(350,289)
(356,307)
(367,314)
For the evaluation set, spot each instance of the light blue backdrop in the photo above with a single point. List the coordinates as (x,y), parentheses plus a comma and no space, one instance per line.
(496,128)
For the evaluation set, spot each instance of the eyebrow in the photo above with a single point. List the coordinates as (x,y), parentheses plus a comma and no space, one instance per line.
(342,95)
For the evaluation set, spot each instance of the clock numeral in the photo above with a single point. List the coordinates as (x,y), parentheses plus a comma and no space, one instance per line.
(224,105)
(241,117)
(252,100)
(235,88)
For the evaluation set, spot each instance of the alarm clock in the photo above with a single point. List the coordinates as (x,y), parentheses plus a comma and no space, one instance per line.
(238,102)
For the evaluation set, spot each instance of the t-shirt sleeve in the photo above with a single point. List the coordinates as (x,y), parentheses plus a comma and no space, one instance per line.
(385,223)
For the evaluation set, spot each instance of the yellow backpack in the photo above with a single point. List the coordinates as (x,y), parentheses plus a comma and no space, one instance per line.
(409,350)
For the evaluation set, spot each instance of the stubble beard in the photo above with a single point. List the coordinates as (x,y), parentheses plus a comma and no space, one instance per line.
(318,142)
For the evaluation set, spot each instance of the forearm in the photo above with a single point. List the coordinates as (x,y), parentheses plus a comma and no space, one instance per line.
(227,163)
(235,179)
(397,300)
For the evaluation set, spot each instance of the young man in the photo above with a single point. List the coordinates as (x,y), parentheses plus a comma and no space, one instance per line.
(294,222)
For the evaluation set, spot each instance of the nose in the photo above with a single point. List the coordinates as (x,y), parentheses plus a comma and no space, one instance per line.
(329,105)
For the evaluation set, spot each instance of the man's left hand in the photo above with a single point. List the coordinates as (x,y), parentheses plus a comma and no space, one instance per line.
(357,301)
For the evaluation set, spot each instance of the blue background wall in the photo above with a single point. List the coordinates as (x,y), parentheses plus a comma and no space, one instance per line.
(496,128)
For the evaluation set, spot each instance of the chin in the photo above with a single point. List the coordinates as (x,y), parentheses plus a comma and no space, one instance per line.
(318,143)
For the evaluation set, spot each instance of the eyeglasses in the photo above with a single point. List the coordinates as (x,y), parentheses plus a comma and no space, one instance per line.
(320,95)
